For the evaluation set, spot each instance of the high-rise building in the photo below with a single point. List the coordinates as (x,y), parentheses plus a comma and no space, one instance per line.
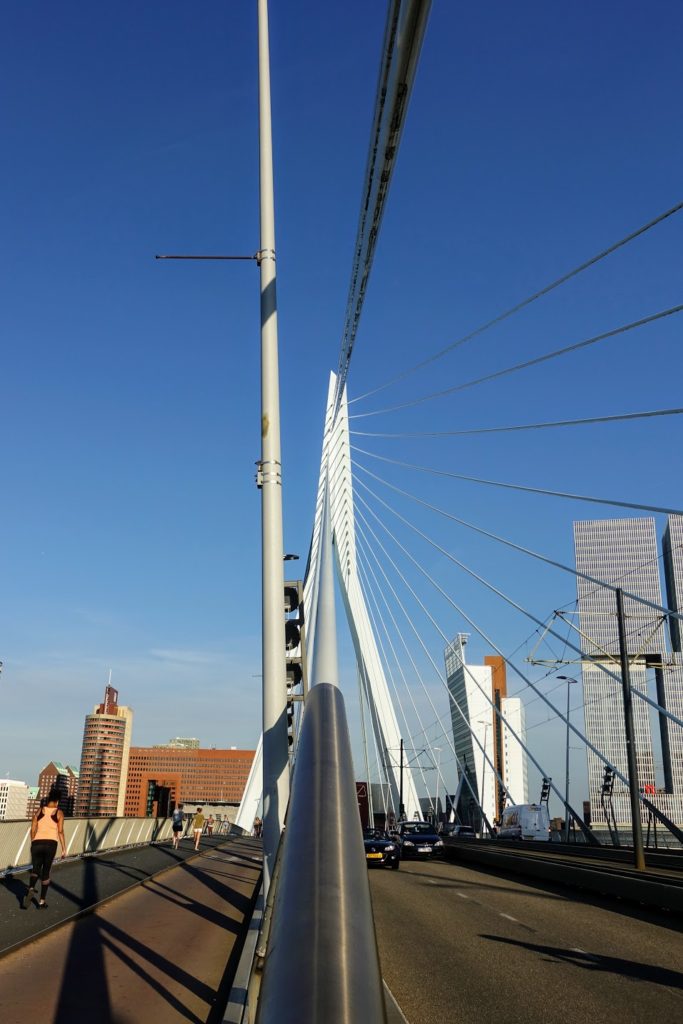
(624,552)
(56,775)
(193,776)
(104,760)
(672,545)
(14,798)
(475,690)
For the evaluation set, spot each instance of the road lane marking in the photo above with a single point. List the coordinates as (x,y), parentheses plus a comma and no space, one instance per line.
(509,917)
(395,1005)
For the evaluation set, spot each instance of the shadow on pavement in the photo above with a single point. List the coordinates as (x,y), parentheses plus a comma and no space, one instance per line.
(594,962)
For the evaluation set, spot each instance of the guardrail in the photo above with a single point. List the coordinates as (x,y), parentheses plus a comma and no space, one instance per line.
(660,885)
(82,835)
(322,962)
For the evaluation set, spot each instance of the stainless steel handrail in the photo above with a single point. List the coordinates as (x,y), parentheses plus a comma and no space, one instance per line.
(322,963)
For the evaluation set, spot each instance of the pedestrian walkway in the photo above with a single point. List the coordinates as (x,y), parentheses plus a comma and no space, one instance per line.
(165,950)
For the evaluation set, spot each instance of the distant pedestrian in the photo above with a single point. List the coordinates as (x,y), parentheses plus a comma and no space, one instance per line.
(177,825)
(197,827)
(209,825)
(47,832)
(258,828)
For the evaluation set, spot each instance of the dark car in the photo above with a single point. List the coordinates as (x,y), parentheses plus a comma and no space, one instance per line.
(380,850)
(460,831)
(419,839)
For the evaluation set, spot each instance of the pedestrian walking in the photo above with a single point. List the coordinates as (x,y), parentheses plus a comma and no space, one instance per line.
(47,833)
(209,825)
(197,827)
(177,825)
(258,828)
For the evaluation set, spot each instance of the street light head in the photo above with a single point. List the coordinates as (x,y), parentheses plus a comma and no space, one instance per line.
(290,558)
(567,679)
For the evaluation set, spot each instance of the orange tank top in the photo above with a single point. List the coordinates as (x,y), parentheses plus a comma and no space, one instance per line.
(47,827)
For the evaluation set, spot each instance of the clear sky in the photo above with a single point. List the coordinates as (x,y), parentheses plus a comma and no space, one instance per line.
(537,135)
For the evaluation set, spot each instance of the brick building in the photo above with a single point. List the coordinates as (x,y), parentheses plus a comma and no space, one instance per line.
(56,775)
(193,776)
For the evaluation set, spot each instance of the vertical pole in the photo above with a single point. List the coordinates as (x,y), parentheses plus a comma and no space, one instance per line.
(275,748)
(325,666)
(371,810)
(633,787)
(566,776)
(401,809)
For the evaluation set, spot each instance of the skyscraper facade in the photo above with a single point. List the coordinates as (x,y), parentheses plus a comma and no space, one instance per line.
(624,553)
(104,759)
(477,728)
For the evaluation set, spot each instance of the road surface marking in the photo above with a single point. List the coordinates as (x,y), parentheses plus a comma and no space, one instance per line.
(509,917)
(396,1007)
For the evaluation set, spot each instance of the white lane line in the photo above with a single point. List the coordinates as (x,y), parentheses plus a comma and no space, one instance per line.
(462,895)
(509,917)
(392,1001)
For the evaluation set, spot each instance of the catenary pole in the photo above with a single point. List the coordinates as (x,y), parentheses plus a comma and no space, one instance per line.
(275,748)
(633,785)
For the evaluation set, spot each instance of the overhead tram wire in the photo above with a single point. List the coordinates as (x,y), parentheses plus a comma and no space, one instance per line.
(367,571)
(367,590)
(514,668)
(524,303)
(505,597)
(663,509)
(426,651)
(488,640)
(555,354)
(521,426)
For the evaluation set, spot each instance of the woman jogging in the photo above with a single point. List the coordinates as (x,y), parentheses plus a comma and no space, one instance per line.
(177,825)
(198,827)
(47,830)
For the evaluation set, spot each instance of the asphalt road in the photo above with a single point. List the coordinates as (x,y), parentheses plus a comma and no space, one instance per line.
(459,944)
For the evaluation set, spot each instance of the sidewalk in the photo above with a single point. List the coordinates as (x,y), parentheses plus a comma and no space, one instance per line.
(166,949)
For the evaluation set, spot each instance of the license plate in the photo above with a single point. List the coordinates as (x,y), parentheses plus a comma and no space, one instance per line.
(424,849)
(373,856)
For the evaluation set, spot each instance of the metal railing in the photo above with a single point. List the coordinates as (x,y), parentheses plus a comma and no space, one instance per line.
(82,835)
(322,962)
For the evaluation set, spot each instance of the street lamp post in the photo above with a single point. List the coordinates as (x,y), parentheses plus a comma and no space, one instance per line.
(485,722)
(436,794)
(569,681)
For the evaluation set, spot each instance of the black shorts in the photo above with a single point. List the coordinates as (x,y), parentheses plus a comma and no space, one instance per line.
(177,828)
(42,854)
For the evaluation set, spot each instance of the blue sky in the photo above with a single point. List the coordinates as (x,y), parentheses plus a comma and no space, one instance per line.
(537,135)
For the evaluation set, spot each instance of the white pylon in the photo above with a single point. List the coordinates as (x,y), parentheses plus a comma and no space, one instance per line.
(335,474)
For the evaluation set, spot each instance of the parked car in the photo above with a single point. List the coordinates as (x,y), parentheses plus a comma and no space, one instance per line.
(459,831)
(419,839)
(525,821)
(380,850)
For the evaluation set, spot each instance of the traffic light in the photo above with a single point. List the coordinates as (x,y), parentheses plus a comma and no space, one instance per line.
(290,716)
(545,791)
(608,781)
(295,651)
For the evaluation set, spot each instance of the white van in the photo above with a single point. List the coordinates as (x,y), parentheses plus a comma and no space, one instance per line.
(525,821)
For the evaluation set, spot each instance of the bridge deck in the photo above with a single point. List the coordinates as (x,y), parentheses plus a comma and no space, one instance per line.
(460,944)
(165,950)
